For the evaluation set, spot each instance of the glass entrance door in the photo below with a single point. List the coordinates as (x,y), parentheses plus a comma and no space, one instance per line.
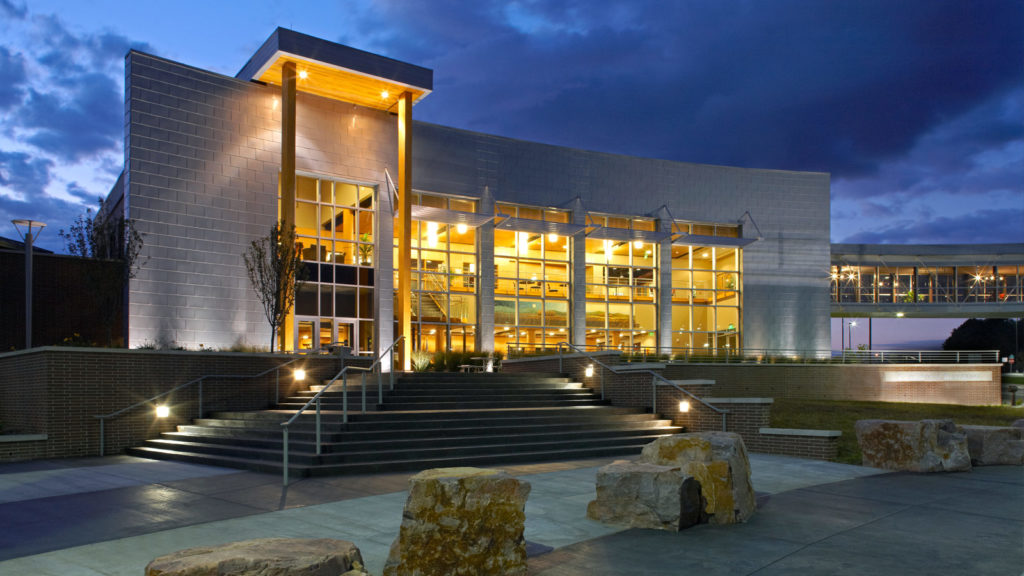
(316,333)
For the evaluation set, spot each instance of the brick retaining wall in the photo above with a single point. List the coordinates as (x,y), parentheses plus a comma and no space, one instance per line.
(965,384)
(631,385)
(57,391)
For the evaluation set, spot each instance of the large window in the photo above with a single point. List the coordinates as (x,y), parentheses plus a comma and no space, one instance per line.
(532,279)
(444,278)
(706,292)
(621,287)
(334,232)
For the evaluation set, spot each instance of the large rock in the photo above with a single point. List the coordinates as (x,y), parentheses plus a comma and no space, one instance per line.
(995,445)
(641,495)
(719,462)
(461,522)
(263,557)
(925,446)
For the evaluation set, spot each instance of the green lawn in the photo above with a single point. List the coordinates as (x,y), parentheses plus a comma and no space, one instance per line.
(841,415)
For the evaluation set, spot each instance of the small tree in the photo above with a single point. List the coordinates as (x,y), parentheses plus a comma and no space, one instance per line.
(114,239)
(275,268)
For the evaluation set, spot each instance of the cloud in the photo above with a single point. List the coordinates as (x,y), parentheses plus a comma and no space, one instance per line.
(12,78)
(79,127)
(992,225)
(835,87)
(12,10)
(28,175)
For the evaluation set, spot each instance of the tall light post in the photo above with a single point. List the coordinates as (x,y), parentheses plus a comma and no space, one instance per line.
(850,333)
(28,237)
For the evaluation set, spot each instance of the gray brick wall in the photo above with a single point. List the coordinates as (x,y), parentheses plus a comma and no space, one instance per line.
(203,156)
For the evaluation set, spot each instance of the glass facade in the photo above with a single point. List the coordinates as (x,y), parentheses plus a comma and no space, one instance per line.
(621,287)
(444,279)
(532,282)
(926,285)
(533,277)
(706,291)
(334,226)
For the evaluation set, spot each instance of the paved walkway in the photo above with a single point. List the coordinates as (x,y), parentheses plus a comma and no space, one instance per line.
(113,515)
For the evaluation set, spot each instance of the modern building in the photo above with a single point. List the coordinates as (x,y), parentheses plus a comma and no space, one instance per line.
(505,243)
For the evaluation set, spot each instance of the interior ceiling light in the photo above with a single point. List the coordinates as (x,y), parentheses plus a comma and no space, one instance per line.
(552,237)
(638,244)
(461,228)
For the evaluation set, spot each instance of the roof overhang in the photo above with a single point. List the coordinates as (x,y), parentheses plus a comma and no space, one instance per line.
(717,241)
(539,226)
(626,235)
(451,217)
(337,72)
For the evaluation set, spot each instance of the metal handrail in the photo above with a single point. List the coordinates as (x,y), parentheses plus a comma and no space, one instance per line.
(772,355)
(343,374)
(654,387)
(277,393)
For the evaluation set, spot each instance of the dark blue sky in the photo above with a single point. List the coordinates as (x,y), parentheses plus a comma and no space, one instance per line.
(915,107)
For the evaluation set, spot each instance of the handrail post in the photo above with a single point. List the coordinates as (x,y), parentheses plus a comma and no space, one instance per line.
(277,385)
(317,426)
(362,380)
(560,371)
(602,382)
(102,420)
(284,453)
(344,398)
(380,383)
(200,398)
(654,396)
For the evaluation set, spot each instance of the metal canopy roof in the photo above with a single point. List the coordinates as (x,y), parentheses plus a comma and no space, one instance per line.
(540,226)
(718,241)
(443,216)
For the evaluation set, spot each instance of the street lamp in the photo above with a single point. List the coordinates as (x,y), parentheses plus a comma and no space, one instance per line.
(850,333)
(28,237)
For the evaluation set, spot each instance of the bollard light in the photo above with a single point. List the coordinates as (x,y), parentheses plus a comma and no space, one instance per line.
(589,371)
(163,411)
(684,406)
(300,374)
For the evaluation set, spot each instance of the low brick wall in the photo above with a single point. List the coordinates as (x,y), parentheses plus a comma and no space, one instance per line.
(14,447)
(964,384)
(631,385)
(57,392)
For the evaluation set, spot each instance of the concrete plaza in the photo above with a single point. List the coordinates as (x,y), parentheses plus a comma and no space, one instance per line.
(113,515)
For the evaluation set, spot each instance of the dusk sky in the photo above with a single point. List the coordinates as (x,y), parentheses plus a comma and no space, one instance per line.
(915,108)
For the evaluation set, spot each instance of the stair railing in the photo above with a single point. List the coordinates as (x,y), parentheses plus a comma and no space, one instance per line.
(315,400)
(656,380)
(198,381)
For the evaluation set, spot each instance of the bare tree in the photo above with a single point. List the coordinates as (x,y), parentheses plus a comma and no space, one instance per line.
(275,267)
(114,239)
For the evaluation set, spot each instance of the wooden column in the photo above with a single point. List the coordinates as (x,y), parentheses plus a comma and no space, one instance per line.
(404,263)
(288,80)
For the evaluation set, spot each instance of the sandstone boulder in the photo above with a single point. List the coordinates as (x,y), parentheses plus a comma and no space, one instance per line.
(641,495)
(263,557)
(925,446)
(719,463)
(461,522)
(995,445)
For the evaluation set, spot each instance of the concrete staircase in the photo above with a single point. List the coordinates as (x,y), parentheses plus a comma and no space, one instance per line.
(430,420)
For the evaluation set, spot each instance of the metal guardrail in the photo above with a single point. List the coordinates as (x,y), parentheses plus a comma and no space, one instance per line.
(315,400)
(198,381)
(655,377)
(779,356)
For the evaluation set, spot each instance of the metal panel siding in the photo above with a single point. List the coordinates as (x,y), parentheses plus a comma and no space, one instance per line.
(786,296)
(202,159)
